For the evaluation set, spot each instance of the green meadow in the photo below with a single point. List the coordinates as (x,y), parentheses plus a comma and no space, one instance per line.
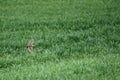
(73,39)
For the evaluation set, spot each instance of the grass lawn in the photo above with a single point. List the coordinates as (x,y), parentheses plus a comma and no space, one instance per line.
(73,39)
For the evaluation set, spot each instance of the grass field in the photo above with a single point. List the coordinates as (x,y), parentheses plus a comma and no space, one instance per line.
(73,39)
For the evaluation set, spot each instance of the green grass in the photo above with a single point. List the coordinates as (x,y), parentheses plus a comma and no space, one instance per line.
(74,39)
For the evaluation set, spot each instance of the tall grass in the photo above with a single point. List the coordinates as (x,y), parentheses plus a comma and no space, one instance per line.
(73,39)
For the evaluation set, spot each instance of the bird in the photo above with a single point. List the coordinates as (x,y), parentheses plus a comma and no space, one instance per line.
(30,45)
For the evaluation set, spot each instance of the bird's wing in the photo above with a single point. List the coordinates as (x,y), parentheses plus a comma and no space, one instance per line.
(31,42)
(30,48)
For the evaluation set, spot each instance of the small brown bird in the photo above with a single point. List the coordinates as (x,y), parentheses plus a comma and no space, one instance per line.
(30,45)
